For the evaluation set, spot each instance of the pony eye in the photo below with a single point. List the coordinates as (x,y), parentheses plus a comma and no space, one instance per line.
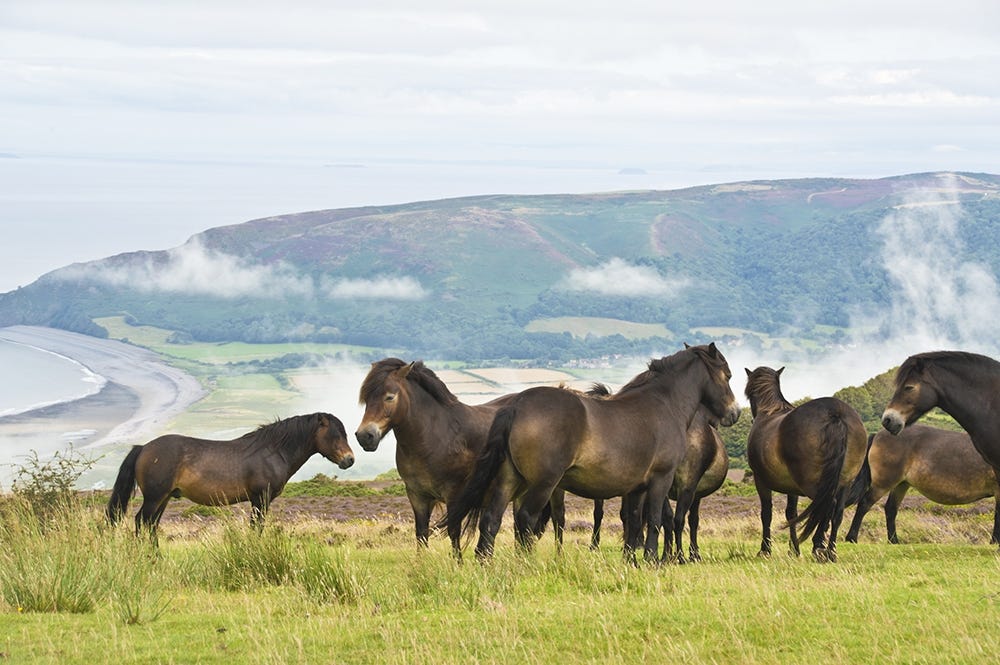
(390,397)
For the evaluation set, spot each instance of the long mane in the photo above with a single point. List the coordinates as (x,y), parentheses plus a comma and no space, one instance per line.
(657,368)
(764,386)
(419,374)
(915,363)
(288,433)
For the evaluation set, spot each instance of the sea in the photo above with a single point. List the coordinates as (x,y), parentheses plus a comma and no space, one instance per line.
(42,378)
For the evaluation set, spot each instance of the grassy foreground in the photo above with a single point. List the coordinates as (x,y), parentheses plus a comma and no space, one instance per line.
(306,590)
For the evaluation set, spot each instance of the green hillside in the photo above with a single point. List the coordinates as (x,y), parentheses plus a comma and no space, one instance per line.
(498,277)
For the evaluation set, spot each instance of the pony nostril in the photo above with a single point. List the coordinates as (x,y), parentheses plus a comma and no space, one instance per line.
(346,461)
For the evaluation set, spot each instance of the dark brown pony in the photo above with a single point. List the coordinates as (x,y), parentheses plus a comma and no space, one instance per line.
(942,465)
(598,448)
(438,438)
(254,467)
(964,385)
(701,473)
(814,450)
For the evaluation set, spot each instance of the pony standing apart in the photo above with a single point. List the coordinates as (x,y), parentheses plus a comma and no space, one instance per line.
(254,467)
(816,450)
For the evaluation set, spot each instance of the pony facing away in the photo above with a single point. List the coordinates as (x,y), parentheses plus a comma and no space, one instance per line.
(550,439)
(254,467)
(941,464)
(964,385)
(815,450)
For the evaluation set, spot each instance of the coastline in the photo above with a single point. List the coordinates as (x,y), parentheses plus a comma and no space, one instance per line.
(140,395)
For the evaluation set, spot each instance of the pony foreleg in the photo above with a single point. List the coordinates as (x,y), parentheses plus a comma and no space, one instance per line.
(766,510)
(656,496)
(667,523)
(422,507)
(631,517)
(595,534)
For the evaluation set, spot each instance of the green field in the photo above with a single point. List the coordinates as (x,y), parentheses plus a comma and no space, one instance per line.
(358,591)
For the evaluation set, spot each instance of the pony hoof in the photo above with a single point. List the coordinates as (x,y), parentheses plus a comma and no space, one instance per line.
(825,555)
(763,554)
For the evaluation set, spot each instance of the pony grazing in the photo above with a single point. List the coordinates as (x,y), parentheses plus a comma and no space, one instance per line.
(815,450)
(943,465)
(964,385)
(254,467)
(550,439)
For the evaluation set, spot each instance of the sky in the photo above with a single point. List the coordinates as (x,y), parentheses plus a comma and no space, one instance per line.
(133,125)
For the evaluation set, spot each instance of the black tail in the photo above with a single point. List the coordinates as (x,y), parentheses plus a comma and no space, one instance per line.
(823,504)
(863,482)
(464,511)
(124,485)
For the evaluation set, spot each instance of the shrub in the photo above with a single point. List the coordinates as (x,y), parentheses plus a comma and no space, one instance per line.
(50,486)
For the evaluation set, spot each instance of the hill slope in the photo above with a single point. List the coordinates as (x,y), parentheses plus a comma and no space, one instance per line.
(464,277)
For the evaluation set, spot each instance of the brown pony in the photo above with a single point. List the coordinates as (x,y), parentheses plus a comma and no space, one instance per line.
(964,385)
(629,443)
(702,472)
(941,464)
(437,436)
(815,450)
(254,467)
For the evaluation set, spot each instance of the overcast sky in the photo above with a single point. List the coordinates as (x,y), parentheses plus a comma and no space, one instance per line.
(132,125)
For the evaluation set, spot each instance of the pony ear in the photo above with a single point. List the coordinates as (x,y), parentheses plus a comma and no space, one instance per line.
(714,350)
(778,373)
(405,370)
(747,371)
(686,345)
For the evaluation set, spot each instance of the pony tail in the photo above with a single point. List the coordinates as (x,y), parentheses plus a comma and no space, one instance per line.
(863,482)
(464,511)
(835,445)
(124,484)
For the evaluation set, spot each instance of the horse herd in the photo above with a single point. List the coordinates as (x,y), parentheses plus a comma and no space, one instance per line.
(655,439)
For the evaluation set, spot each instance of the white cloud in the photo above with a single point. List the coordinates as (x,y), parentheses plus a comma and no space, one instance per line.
(193,268)
(386,288)
(620,278)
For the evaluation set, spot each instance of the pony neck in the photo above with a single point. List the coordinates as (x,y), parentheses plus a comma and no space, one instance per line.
(768,400)
(977,389)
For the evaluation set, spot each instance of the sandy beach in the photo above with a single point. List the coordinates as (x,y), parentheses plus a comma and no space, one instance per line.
(141,396)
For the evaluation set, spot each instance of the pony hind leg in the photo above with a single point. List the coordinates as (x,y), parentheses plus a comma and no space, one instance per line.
(148,517)
(530,507)
(501,493)
(835,521)
(685,502)
(694,519)
(864,505)
(791,512)
(892,508)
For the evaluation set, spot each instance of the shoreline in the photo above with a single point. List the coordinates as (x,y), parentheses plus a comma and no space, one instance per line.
(140,396)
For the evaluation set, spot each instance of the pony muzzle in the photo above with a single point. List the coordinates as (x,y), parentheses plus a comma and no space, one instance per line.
(893,421)
(369,437)
(347,461)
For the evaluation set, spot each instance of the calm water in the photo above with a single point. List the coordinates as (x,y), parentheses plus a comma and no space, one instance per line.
(40,378)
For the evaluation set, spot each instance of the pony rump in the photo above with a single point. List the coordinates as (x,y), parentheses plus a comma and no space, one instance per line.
(827,495)
(464,513)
